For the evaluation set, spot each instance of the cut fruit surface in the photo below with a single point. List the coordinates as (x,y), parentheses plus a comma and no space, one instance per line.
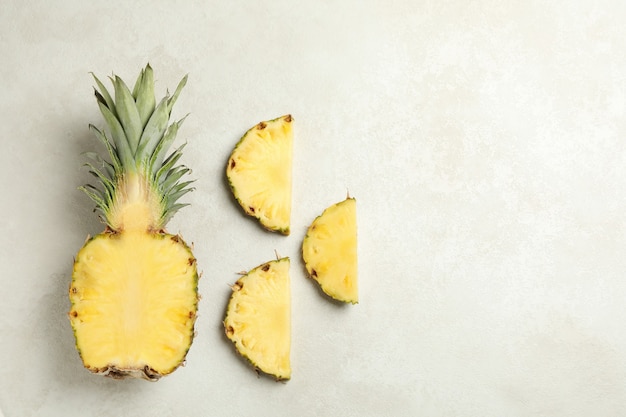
(134,301)
(329,250)
(259,173)
(258,318)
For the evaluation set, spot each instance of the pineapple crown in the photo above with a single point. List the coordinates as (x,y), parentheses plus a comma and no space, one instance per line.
(137,145)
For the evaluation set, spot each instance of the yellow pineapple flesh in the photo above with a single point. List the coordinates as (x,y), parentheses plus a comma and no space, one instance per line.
(329,250)
(259,173)
(258,318)
(134,301)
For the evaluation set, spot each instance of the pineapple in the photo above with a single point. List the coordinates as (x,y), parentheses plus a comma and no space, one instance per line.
(259,173)
(258,318)
(134,286)
(329,250)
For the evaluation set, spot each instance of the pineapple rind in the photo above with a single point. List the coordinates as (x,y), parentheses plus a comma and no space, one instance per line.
(269,201)
(83,305)
(267,345)
(329,251)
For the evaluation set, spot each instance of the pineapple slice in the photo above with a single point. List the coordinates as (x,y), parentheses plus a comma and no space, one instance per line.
(258,318)
(259,173)
(329,250)
(134,289)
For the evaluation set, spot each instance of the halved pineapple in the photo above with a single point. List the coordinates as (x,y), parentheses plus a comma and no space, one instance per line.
(259,173)
(134,301)
(258,318)
(134,292)
(329,250)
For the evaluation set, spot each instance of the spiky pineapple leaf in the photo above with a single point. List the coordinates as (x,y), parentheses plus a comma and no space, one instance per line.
(115,160)
(164,144)
(144,95)
(154,130)
(103,95)
(128,114)
(179,88)
(124,152)
(173,176)
(137,143)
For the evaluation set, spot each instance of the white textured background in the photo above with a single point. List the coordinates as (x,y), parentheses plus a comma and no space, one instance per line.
(485,142)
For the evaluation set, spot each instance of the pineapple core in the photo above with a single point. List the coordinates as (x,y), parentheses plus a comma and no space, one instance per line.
(136,206)
(133,303)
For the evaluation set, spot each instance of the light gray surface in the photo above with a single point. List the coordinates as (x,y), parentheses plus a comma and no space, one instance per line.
(483,140)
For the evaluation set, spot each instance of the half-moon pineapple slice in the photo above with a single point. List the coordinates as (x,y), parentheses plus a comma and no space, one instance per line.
(329,250)
(258,318)
(259,173)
